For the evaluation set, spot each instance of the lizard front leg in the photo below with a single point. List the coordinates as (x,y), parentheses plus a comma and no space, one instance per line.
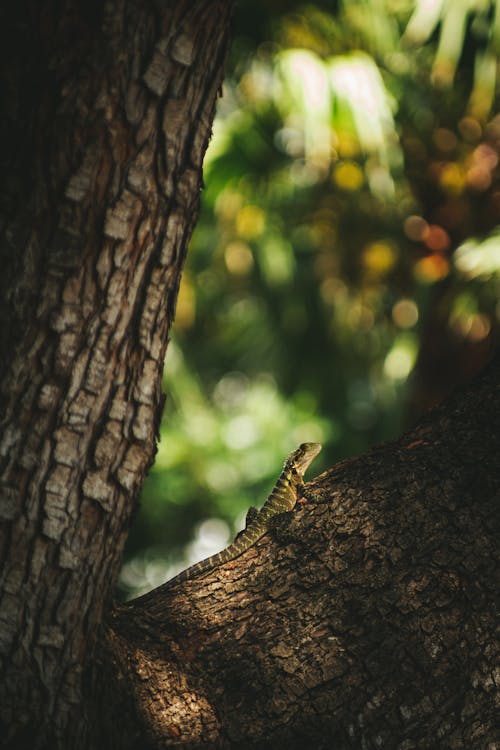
(252,514)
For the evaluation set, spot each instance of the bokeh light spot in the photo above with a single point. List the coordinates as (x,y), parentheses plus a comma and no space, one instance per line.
(445,139)
(432,268)
(333,291)
(250,222)
(347,145)
(348,176)
(452,178)
(379,257)
(405,313)
(479,259)
(227,204)
(478,178)
(238,258)
(437,239)
(186,305)
(241,432)
(400,360)
(480,327)
(472,326)
(416,228)
(470,129)
(485,155)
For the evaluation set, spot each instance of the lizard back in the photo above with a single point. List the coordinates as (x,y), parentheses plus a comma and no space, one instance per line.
(282,498)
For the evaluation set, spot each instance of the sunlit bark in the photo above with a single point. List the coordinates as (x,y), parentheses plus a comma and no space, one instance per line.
(367,619)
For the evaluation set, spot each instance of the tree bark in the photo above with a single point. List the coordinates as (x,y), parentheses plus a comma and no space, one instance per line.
(106,118)
(368,619)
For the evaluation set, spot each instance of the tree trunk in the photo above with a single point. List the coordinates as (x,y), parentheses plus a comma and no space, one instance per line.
(368,621)
(106,118)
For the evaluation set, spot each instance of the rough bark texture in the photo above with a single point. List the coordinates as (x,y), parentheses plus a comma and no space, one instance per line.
(370,620)
(107,114)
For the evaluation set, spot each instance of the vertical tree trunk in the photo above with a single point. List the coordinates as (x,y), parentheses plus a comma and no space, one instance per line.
(106,119)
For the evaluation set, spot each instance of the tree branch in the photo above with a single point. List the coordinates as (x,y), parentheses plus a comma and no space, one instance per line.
(368,620)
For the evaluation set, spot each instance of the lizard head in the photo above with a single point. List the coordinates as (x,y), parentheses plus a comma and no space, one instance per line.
(303,456)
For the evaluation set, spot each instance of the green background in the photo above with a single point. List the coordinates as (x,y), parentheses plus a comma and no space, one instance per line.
(344,274)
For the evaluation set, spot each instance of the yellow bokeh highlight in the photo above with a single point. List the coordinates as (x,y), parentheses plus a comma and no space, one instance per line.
(250,222)
(347,145)
(186,305)
(432,268)
(348,176)
(228,204)
(453,178)
(238,258)
(379,257)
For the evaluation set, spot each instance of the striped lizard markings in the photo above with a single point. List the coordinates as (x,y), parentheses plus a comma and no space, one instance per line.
(283,497)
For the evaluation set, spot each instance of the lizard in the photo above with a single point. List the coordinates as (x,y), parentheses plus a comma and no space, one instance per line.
(283,497)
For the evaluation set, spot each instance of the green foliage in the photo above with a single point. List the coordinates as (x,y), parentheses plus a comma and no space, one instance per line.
(352,154)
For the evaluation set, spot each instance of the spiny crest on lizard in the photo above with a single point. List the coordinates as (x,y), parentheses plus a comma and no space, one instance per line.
(283,497)
(302,456)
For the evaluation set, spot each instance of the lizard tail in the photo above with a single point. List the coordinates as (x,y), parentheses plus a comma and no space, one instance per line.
(198,568)
(240,544)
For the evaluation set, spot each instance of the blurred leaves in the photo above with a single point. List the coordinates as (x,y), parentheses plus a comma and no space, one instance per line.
(479,259)
(479,20)
(348,227)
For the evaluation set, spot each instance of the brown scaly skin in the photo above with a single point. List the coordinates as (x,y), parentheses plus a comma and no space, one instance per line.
(283,497)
